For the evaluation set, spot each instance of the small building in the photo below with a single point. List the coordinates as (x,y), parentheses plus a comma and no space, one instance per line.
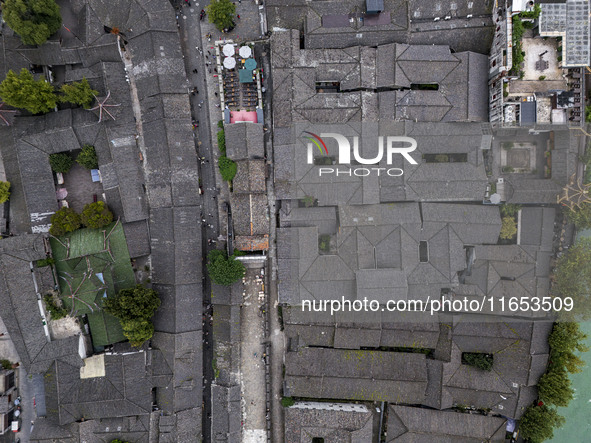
(7,396)
(374,6)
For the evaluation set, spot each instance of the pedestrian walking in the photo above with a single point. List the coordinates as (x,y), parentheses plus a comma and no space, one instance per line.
(208,53)
(216,94)
(238,16)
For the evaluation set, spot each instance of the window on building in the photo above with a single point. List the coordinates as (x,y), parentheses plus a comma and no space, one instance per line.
(423,251)
(424,86)
(318,440)
(324,161)
(328,87)
(446,158)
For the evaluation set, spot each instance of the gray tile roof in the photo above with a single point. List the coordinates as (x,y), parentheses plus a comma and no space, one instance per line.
(336,421)
(244,140)
(426,425)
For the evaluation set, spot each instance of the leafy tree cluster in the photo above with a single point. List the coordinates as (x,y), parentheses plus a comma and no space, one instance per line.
(228,168)
(286,402)
(581,217)
(96,215)
(508,228)
(39,96)
(60,162)
(5,364)
(538,422)
(224,270)
(572,278)
(4,191)
(87,157)
(478,360)
(33,20)
(221,13)
(134,307)
(554,387)
(78,93)
(63,221)
(23,91)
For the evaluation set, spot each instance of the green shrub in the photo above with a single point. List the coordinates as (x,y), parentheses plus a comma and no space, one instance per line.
(87,157)
(61,162)
(286,402)
(222,141)
(221,124)
(542,77)
(56,311)
(324,242)
(228,168)
(4,191)
(308,201)
(63,221)
(5,364)
(509,209)
(45,262)
(478,360)
(508,169)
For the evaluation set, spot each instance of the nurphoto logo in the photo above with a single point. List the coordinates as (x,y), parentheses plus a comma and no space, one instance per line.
(394,145)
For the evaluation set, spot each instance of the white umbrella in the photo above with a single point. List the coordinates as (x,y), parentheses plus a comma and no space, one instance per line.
(245,51)
(229,62)
(228,50)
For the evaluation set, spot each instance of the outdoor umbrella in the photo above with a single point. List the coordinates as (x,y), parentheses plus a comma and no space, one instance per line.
(228,50)
(245,51)
(229,62)
(250,64)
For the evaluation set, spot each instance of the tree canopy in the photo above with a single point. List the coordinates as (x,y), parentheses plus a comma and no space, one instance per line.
(224,270)
(78,93)
(63,221)
(538,422)
(554,387)
(572,277)
(96,215)
(137,303)
(565,339)
(87,157)
(23,91)
(60,162)
(33,20)
(4,191)
(508,228)
(137,331)
(221,13)
(228,168)
(581,217)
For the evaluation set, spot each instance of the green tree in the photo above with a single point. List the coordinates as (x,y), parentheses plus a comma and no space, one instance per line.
(508,228)
(554,387)
(33,20)
(478,360)
(63,221)
(222,141)
(60,162)
(87,157)
(137,331)
(228,168)
(565,339)
(4,191)
(538,422)
(588,113)
(78,93)
(96,215)
(137,303)
(581,217)
(23,91)
(224,270)
(221,13)
(572,277)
